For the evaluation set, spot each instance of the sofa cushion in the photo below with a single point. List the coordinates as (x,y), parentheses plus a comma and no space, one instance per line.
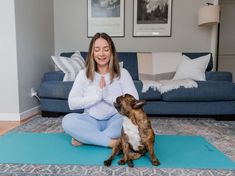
(219,76)
(151,94)
(70,66)
(206,91)
(129,60)
(192,68)
(53,76)
(196,55)
(55,89)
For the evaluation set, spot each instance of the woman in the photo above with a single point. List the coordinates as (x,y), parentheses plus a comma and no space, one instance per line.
(94,90)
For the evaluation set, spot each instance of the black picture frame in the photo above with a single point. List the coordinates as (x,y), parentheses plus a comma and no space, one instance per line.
(152,18)
(106,16)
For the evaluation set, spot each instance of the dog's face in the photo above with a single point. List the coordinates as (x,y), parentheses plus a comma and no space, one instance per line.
(126,103)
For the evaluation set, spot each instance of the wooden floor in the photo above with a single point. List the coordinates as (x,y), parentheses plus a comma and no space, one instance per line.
(6,126)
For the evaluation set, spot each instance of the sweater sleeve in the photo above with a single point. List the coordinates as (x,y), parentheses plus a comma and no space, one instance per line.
(77,98)
(127,86)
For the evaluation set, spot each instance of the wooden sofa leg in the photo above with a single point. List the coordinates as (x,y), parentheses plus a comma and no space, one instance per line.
(50,114)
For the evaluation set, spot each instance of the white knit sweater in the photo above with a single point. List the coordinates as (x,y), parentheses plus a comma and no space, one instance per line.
(98,102)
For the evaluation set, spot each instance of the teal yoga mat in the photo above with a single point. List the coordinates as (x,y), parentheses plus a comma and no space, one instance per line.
(55,148)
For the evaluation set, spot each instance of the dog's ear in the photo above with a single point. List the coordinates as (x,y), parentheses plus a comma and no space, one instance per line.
(138,104)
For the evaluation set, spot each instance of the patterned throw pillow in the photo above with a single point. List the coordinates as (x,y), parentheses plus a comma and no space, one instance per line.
(70,66)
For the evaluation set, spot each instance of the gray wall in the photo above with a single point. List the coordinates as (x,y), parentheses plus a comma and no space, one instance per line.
(9,102)
(70,18)
(35,45)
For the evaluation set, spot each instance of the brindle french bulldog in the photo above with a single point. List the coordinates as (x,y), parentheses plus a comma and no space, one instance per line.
(137,136)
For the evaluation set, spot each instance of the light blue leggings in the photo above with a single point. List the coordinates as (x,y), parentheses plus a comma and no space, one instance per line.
(89,130)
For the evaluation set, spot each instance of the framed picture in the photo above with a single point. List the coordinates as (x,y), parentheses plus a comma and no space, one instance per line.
(106,16)
(152,18)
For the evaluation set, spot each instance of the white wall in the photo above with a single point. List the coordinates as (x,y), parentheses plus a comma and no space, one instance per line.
(9,102)
(70,18)
(27,42)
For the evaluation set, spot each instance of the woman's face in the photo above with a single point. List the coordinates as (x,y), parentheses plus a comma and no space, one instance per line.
(102,53)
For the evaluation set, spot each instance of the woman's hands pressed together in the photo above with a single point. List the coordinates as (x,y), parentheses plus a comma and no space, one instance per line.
(102,82)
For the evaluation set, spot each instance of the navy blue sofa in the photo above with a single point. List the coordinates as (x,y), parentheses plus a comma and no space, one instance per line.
(213,97)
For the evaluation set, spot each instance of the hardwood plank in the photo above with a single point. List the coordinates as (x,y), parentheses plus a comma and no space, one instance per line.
(6,126)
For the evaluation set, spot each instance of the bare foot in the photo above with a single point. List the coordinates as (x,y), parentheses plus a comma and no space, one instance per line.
(75,143)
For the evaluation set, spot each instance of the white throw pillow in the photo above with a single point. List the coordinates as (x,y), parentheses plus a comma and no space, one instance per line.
(70,66)
(192,68)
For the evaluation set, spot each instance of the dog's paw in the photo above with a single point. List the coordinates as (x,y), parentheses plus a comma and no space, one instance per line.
(121,162)
(156,162)
(130,163)
(107,162)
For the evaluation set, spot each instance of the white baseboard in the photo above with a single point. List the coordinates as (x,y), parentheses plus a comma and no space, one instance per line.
(9,117)
(19,116)
(29,112)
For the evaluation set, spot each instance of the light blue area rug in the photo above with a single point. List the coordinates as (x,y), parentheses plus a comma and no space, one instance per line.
(55,148)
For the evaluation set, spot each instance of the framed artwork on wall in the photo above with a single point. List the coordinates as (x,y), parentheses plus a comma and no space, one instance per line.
(152,18)
(105,16)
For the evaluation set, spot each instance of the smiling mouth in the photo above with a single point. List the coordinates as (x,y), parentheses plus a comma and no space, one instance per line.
(102,59)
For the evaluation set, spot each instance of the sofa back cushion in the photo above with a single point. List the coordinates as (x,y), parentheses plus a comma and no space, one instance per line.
(129,60)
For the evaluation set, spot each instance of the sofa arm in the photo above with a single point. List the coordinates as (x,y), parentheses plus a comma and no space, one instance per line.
(219,76)
(53,76)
